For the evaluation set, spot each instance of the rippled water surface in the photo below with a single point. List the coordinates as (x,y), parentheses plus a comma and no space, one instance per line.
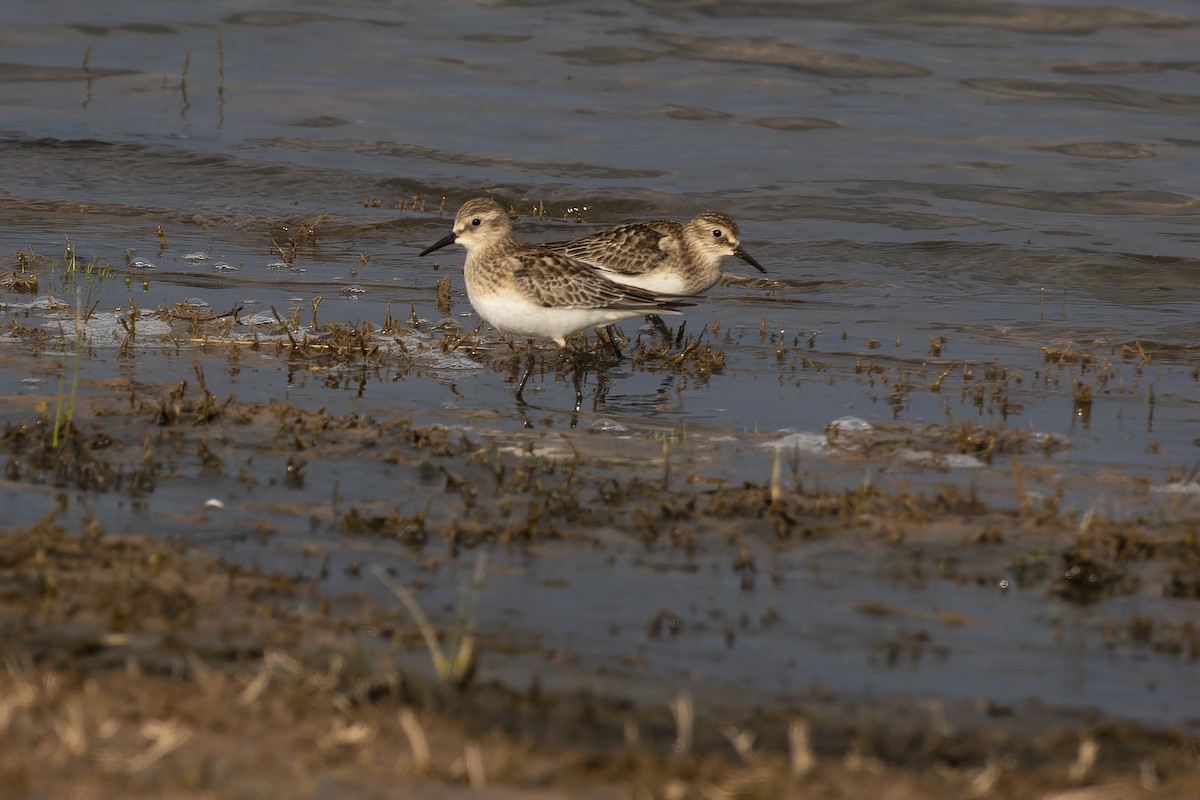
(937,189)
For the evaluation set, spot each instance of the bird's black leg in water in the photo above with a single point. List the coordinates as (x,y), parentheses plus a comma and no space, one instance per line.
(577,378)
(525,376)
(611,335)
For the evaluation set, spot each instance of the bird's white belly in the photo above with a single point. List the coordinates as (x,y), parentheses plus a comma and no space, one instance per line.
(515,314)
(665,280)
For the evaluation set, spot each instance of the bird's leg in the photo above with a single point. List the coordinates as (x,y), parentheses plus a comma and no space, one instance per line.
(577,377)
(611,335)
(525,376)
(575,360)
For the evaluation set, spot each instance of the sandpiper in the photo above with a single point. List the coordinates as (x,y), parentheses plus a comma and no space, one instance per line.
(665,256)
(527,290)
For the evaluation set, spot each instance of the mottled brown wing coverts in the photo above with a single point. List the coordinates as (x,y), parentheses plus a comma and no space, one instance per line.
(633,249)
(554,280)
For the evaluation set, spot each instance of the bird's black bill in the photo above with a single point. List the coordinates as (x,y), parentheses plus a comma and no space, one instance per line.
(740,253)
(449,239)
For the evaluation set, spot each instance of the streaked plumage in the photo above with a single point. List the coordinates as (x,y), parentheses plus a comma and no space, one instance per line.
(666,256)
(527,290)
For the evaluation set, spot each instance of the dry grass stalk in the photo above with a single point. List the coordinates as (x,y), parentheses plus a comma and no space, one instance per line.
(1085,759)
(682,710)
(742,741)
(458,666)
(803,759)
(473,760)
(983,783)
(416,740)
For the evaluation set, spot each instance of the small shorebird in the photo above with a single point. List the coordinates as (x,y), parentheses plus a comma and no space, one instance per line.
(527,290)
(667,256)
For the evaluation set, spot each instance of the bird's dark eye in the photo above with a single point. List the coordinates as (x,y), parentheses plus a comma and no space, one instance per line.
(476,222)
(716,233)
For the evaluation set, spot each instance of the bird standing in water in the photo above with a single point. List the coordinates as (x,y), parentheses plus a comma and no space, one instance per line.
(527,290)
(666,256)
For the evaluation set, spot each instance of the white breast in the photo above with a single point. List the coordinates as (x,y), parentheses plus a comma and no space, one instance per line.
(513,313)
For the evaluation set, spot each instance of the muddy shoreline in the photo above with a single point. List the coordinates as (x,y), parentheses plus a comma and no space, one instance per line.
(143,665)
(148,668)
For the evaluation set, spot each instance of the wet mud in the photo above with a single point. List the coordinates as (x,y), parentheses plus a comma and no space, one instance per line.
(137,662)
(142,668)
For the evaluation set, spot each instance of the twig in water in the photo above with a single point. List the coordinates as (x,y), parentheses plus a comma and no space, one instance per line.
(416,740)
(681,708)
(803,759)
(458,666)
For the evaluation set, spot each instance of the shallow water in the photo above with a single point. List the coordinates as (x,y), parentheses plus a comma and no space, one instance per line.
(1008,177)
